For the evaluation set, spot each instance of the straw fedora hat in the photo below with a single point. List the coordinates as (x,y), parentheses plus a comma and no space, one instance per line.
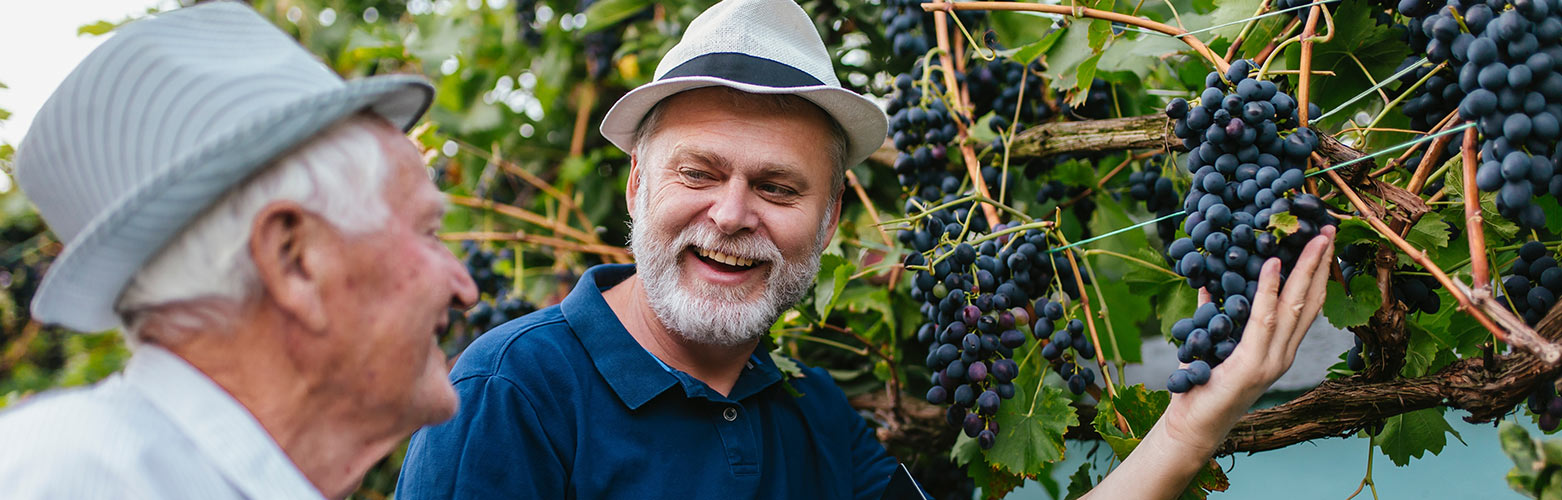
(760,47)
(157,123)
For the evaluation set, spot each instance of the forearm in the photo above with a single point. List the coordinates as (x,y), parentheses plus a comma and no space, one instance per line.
(1176,449)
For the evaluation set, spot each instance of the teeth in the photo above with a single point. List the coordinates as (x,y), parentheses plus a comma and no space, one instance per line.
(731,260)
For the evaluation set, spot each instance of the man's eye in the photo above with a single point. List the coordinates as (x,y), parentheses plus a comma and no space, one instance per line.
(777,189)
(697,175)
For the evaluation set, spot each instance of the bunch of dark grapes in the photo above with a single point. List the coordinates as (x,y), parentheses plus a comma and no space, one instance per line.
(974,299)
(1544,403)
(1531,285)
(921,128)
(1354,358)
(496,304)
(1065,346)
(995,87)
(1506,58)
(903,21)
(1244,173)
(1159,195)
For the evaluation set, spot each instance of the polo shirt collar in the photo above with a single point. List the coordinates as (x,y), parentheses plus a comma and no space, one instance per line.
(628,368)
(633,373)
(219,426)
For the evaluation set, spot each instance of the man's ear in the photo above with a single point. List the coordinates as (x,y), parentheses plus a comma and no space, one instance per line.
(289,248)
(633,185)
(835,211)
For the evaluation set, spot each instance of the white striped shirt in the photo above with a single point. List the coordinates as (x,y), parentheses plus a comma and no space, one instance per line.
(161,429)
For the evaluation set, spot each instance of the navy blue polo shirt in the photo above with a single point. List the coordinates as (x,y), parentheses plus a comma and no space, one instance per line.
(564,403)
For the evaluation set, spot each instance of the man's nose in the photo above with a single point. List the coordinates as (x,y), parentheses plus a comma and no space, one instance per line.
(463,290)
(733,210)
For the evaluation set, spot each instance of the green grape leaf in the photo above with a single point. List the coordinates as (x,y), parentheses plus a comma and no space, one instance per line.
(1085,74)
(1140,409)
(1031,427)
(1351,231)
(1080,482)
(1553,212)
(1411,435)
(606,13)
(1284,224)
(1124,308)
(834,272)
(1354,309)
(1031,51)
(1431,232)
(1110,216)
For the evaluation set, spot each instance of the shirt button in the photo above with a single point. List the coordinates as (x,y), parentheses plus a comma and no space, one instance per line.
(731,413)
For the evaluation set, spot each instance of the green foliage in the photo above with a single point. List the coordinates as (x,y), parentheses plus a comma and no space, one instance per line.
(1346,308)
(1411,435)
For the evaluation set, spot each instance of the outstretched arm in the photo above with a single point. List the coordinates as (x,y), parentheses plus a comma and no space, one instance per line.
(1196,421)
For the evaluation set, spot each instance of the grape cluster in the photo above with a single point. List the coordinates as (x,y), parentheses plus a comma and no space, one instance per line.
(903,22)
(974,291)
(995,87)
(1244,172)
(921,128)
(1505,56)
(1544,403)
(497,305)
(1066,346)
(1532,283)
(1159,195)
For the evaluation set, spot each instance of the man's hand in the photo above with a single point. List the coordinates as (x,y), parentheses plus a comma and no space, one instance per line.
(1197,421)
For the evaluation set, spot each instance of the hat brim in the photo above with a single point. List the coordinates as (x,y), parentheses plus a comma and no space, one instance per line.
(864,123)
(83,283)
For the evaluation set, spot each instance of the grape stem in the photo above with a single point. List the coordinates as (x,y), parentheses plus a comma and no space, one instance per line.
(521,214)
(972,168)
(1095,339)
(873,213)
(1136,260)
(1304,87)
(1366,481)
(1236,45)
(566,202)
(1474,224)
(585,101)
(893,388)
(1074,11)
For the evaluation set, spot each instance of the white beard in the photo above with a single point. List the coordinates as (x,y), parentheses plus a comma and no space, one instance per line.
(717,315)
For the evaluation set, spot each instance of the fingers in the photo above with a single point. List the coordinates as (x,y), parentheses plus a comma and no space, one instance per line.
(1204,297)
(1316,293)
(1294,298)
(1261,323)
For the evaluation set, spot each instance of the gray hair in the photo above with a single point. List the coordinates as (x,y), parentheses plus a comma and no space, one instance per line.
(197,280)
(759,104)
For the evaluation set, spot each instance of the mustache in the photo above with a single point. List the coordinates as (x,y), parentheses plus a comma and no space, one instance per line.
(747,245)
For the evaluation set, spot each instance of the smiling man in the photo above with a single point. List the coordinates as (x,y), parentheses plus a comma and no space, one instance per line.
(647,380)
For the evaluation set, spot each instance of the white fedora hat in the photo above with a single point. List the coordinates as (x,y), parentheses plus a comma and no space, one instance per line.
(156,124)
(756,46)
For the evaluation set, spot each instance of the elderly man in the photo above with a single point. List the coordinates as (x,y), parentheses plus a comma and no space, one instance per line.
(646,382)
(226,200)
